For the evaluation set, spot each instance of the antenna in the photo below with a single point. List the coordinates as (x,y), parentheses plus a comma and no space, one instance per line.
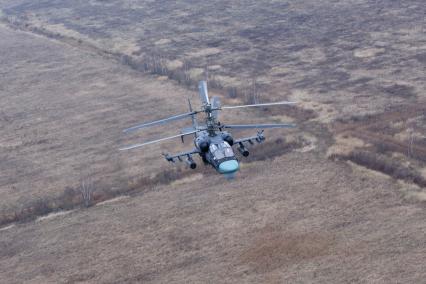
(193,117)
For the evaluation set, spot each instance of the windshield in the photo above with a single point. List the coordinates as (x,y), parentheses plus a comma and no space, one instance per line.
(221,150)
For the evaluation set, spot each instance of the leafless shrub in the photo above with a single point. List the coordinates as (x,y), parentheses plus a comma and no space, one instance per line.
(7,215)
(85,193)
(181,77)
(232,92)
(400,90)
(27,212)
(410,152)
(215,84)
(68,199)
(272,149)
(86,190)
(40,207)
(385,165)
(254,91)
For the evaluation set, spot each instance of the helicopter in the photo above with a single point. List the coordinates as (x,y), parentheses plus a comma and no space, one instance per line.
(212,143)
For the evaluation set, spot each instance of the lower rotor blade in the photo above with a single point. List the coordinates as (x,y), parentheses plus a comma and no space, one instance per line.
(161,121)
(259,126)
(259,105)
(158,140)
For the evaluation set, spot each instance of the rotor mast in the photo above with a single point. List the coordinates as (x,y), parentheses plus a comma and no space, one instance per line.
(210,119)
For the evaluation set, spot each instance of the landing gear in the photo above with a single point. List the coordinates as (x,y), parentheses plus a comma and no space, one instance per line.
(204,160)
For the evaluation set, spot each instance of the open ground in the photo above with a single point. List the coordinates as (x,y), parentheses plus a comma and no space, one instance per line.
(340,199)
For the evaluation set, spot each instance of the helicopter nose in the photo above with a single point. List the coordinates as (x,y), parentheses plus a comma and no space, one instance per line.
(229,166)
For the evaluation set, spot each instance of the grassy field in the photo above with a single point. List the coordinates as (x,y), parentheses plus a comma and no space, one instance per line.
(62,115)
(340,199)
(341,60)
(271,225)
(64,110)
(333,53)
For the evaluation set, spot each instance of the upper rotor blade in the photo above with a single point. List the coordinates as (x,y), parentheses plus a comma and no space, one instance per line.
(215,107)
(202,91)
(161,121)
(158,140)
(259,105)
(259,126)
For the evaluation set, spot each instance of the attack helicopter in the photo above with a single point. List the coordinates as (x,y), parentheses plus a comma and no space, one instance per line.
(212,143)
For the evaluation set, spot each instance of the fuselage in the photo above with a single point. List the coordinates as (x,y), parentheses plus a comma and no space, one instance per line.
(212,143)
(216,150)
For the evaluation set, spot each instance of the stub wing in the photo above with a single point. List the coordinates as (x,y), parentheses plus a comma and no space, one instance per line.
(259,138)
(188,154)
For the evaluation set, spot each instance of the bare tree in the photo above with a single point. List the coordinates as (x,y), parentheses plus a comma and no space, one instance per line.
(411,136)
(251,91)
(86,190)
(255,91)
(206,73)
(410,147)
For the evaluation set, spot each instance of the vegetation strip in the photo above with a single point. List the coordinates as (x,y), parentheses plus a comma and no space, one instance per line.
(74,198)
(383,164)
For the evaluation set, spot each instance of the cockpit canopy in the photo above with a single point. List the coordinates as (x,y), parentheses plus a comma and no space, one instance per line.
(221,150)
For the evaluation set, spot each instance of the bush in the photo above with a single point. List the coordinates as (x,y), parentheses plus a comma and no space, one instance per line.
(385,165)
(272,149)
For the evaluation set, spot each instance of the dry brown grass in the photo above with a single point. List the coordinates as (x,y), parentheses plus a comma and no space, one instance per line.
(272,249)
(384,164)
(367,49)
(63,119)
(83,71)
(272,223)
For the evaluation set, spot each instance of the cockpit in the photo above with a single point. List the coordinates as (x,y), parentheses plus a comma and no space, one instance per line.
(221,150)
